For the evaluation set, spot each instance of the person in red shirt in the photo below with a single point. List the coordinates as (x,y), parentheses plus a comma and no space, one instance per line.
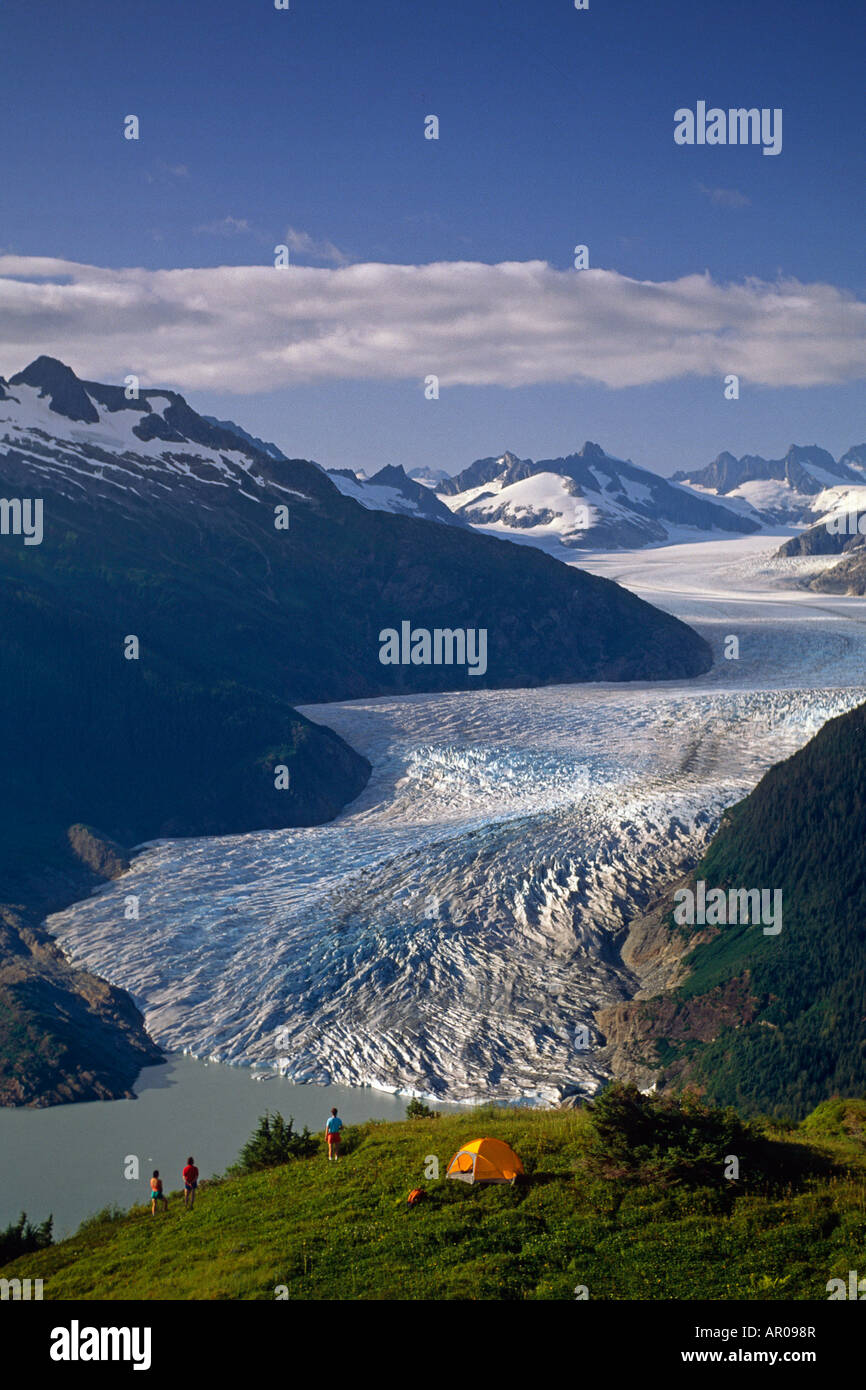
(190,1183)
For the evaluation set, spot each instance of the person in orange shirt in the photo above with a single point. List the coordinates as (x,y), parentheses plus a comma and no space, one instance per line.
(156,1193)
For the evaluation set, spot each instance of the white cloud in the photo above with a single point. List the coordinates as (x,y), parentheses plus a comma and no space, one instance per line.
(726,197)
(227,226)
(253,328)
(162,172)
(305,245)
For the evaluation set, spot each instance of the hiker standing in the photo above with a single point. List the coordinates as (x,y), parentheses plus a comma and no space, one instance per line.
(156,1193)
(190,1183)
(332,1134)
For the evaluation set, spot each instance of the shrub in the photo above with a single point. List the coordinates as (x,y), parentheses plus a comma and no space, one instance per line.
(417,1110)
(273,1143)
(102,1218)
(21,1238)
(667,1139)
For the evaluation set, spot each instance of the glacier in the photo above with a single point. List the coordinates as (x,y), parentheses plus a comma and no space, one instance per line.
(453,932)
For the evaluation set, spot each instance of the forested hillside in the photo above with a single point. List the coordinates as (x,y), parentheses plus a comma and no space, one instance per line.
(800,1034)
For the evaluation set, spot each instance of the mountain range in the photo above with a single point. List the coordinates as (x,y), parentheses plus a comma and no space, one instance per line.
(190,587)
(394,490)
(591,500)
(586,500)
(796,488)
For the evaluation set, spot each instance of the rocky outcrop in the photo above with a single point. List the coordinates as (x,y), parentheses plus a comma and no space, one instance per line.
(639,1034)
(655,952)
(65,1034)
(848,577)
(104,856)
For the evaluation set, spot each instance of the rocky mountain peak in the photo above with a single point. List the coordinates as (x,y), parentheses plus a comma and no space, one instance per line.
(591,450)
(66,395)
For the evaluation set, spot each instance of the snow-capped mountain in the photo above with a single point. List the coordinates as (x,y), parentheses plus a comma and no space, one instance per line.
(855,458)
(393,490)
(588,500)
(430,477)
(84,439)
(786,490)
(123,479)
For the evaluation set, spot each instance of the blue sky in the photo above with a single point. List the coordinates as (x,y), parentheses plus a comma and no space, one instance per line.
(556,127)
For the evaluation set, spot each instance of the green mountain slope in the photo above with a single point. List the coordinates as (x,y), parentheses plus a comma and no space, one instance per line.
(798,1033)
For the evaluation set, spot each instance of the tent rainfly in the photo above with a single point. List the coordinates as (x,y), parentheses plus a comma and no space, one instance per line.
(485,1160)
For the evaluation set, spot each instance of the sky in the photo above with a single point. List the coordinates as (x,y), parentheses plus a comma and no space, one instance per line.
(412,257)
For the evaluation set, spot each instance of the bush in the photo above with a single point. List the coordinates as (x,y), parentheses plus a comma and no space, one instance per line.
(417,1110)
(667,1139)
(273,1143)
(102,1218)
(22,1238)
(838,1118)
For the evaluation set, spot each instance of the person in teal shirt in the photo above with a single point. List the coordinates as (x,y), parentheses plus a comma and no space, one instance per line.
(332,1134)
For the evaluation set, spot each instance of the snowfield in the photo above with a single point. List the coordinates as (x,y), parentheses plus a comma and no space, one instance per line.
(452,932)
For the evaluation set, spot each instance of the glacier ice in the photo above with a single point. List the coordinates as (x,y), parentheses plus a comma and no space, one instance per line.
(452,931)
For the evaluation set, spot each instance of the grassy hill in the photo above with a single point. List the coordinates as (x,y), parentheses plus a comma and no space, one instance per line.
(344,1231)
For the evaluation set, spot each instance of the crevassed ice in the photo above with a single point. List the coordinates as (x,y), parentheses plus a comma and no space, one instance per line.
(452,931)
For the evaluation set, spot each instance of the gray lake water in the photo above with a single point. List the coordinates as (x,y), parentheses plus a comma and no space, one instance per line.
(69,1159)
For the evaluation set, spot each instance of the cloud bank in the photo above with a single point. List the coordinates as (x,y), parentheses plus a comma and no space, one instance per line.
(253,328)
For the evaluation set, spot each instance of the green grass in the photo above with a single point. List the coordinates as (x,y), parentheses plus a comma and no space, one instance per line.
(343,1231)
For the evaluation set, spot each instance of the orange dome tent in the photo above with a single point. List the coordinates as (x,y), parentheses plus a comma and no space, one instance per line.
(485,1160)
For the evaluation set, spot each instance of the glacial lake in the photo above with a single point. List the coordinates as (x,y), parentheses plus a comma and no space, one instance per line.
(69,1159)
